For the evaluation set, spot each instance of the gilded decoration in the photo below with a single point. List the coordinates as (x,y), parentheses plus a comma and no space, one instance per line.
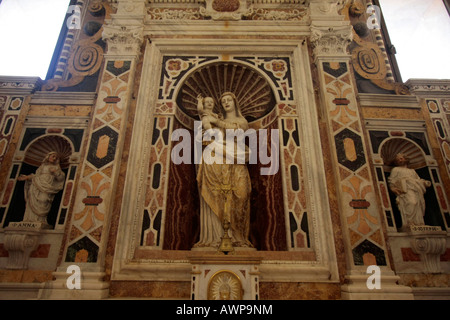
(225,285)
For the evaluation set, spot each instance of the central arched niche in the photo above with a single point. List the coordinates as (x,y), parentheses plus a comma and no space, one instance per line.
(257,101)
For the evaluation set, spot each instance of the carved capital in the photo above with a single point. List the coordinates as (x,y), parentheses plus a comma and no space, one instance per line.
(331,41)
(122,40)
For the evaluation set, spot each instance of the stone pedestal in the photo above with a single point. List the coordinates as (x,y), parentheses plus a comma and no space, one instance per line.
(21,238)
(356,287)
(225,277)
(91,285)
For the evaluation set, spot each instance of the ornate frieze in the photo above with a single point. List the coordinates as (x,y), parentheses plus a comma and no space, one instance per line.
(20,84)
(227,10)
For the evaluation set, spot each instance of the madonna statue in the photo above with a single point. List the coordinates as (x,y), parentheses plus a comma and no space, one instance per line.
(225,188)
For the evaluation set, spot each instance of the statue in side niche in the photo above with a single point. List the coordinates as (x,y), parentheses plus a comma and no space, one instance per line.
(409,189)
(41,187)
(224,187)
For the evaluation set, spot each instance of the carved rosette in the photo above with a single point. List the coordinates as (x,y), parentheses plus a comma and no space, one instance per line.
(123,40)
(226,9)
(331,41)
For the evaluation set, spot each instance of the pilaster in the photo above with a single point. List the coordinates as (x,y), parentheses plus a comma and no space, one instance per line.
(88,231)
(358,204)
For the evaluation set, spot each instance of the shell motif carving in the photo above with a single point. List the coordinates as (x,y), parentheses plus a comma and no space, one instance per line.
(41,147)
(253,91)
(408,149)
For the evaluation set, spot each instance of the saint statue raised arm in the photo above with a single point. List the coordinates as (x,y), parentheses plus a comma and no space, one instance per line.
(224,187)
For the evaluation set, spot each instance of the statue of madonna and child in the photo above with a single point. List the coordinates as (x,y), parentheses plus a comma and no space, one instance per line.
(224,186)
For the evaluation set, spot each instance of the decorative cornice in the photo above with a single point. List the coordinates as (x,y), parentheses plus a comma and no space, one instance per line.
(388,100)
(22,85)
(63,97)
(428,86)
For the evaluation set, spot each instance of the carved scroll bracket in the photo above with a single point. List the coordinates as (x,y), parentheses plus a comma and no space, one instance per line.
(21,239)
(429,245)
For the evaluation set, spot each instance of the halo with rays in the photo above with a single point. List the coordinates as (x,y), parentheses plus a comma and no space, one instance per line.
(253,92)
(224,282)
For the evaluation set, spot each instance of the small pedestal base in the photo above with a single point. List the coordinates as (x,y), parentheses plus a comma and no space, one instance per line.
(429,243)
(22,238)
(357,288)
(225,277)
(92,286)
